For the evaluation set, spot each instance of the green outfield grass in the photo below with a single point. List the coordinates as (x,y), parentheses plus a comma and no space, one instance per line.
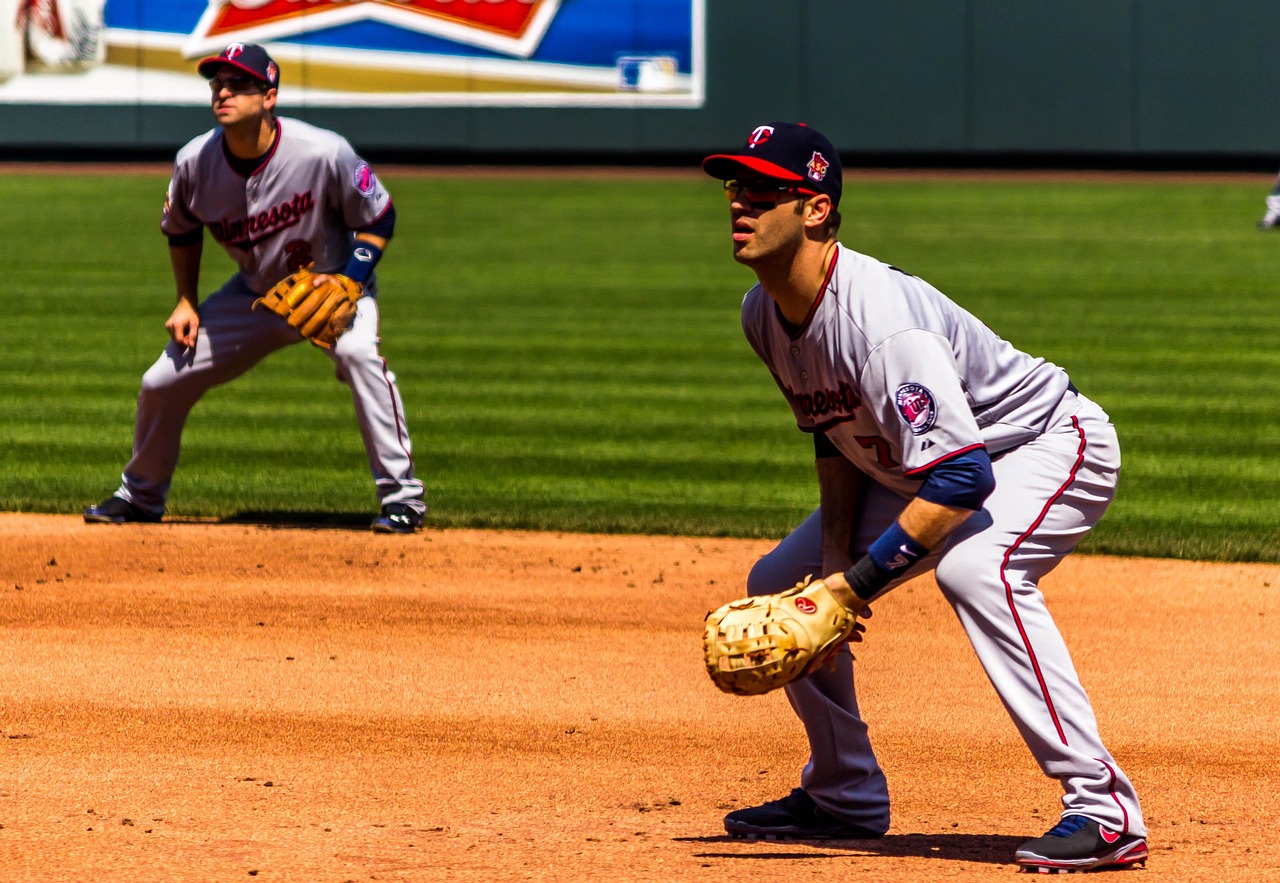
(570,353)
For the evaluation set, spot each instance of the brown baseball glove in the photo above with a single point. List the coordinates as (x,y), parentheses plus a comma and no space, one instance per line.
(320,313)
(758,644)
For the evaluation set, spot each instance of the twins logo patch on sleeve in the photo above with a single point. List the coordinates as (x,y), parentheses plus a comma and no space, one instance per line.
(916,406)
(364,179)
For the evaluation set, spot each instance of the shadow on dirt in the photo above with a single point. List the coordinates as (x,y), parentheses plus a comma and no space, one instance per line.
(982,848)
(301,519)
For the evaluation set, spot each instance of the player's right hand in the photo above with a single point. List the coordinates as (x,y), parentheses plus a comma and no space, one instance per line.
(184,324)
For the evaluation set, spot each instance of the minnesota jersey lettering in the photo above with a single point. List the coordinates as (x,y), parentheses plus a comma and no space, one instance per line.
(317,188)
(842,401)
(246,232)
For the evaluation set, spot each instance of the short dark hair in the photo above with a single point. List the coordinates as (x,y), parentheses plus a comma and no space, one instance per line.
(833,217)
(833,221)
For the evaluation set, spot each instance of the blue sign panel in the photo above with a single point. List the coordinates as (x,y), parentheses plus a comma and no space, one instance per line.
(388,53)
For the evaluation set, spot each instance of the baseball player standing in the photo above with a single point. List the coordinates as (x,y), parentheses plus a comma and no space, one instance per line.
(939,446)
(1271,217)
(278,195)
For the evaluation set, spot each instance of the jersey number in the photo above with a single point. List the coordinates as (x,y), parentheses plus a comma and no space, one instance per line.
(880,446)
(298,254)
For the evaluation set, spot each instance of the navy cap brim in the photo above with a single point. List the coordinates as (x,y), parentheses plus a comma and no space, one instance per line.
(728,166)
(208,67)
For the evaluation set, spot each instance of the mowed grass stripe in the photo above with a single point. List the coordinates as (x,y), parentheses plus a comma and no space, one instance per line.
(571,356)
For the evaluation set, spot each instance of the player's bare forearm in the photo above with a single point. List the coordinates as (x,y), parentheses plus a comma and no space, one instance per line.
(377,241)
(930,523)
(185,261)
(183,323)
(927,524)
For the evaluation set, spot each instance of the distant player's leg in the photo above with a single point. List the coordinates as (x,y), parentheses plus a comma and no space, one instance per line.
(231,340)
(380,414)
(1049,493)
(1271,220)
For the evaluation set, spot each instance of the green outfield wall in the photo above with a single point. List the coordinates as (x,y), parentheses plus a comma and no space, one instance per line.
(1141,79)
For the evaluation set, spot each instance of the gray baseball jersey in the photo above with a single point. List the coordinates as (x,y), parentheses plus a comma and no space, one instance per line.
(899,378)
(301,206)
(897,375)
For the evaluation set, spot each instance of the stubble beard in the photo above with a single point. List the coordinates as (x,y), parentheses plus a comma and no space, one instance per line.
(779,253)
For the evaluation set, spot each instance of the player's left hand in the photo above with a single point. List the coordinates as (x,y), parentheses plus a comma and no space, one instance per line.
(322,307)
(761,643)
(843,592)
(859,628)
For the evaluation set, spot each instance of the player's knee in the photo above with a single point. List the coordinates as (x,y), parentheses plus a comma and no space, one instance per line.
(174,369)
(157,380)
(358,369)
(353,353)
(964,570)
(772,573)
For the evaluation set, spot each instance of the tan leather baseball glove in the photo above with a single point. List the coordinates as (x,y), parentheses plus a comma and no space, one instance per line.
(320,313)
(758,644)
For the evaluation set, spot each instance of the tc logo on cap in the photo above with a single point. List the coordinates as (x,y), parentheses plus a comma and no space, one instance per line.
(760,135)
(233,51)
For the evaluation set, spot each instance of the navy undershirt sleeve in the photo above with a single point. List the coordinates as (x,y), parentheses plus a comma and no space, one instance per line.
(823,448)
(385,225)
(962,482)
(195,237)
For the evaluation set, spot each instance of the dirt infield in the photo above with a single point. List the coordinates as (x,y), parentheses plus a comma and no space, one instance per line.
(223,702)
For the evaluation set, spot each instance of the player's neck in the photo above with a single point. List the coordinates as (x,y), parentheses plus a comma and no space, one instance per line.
(251,139)
(795,284)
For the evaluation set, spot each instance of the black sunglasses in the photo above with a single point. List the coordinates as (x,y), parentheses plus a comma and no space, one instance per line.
(761,194)
(236,83)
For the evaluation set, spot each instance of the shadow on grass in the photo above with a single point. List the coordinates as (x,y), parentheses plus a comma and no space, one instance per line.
(991,849)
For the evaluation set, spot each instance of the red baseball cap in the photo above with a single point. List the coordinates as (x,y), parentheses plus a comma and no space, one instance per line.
(248,57)
(786,152)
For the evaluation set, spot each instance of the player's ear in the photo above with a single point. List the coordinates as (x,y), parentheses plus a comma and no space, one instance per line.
(269,99)
(816,211)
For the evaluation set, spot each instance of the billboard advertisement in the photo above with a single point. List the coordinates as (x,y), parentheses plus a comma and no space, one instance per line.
(371,53)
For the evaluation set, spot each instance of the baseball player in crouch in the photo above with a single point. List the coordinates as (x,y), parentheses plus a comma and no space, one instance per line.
(938,446)
(279,196)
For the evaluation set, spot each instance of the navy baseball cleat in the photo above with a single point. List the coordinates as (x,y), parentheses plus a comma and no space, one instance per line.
(397,518)
(1078,843)
(115,510)
(794,817)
